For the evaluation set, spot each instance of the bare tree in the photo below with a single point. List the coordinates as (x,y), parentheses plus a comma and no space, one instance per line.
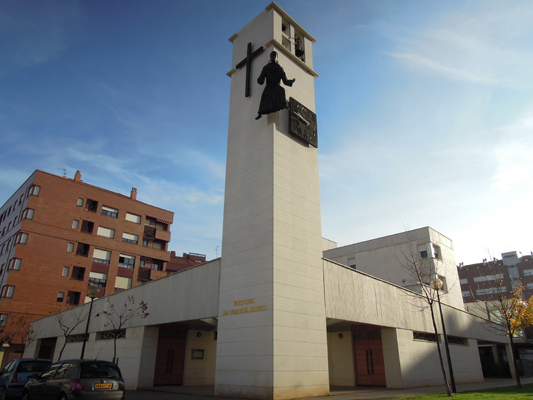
(421,271)
(501,301)
(68,321)
(117,319)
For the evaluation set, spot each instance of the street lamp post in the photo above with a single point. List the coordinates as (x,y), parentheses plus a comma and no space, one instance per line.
(436,284)
(92,292)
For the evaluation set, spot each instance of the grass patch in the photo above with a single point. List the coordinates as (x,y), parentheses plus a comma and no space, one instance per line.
(505,393)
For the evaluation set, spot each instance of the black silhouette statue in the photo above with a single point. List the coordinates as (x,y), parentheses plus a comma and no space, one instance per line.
(273,97)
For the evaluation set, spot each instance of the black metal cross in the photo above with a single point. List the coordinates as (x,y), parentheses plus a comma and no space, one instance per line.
(248,62)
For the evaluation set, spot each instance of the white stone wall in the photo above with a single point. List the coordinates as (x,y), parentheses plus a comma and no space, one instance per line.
(340,359)
(385,258)
(200,372)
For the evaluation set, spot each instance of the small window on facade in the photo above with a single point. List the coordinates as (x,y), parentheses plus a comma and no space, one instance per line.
(70,247)
(73,298)
(22,238)
(109,211)
(28,213)
(80,202)
(65,271)
(126,261)
(148,221)
(101,256)
(145,242)
(105,232)
(97,279)
(60,297)
(91,205)
(78,273)
(75,224)
(7,291)
(3,320)
(133,218)
(466,293)
(157,266)
(35,190)
(87,226)
(424,254)
(122,282)
(130,238)
(14,263)
(82,250)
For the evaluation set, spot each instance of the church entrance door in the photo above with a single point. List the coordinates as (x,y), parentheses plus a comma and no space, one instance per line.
(170,357)
(369,363)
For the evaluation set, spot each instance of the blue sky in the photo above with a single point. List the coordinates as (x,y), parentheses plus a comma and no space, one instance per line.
(425,111)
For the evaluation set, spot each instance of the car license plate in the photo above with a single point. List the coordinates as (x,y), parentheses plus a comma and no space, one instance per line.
(103,386)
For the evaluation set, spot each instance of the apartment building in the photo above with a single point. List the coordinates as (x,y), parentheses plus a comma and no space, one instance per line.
(483,281)
(60,236)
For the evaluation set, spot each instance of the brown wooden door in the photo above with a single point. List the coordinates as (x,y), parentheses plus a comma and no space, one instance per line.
(369,364)
(170,357)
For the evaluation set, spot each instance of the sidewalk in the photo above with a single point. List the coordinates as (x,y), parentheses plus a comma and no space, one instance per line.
(336,393)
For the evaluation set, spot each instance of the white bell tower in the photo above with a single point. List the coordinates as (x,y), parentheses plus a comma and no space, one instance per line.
(271,323)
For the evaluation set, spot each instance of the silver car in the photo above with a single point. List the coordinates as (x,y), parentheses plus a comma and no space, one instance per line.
(15,375)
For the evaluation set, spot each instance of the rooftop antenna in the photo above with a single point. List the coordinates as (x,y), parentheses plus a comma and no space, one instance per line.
(64,172)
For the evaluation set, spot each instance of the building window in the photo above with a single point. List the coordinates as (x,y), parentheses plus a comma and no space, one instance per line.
(65,272)
(82,250)
(149,221)
(487,278)
(530,285)
(126,261)
(466,293)
(28,213)
(3,320)
(91,205)
(109,211)
(481,292)
(73,298)
(75,224)
(7,292)
(157,266)
(145,242)
(122,283)
(130,238)
(78,273)
(70,247)
(105,232)
(80,202)
(22,238)
(14,263)
(133,218)
(101,256)
(97,279)
(427,337)
(35,190)
(436,251)
(528,272)
(424,254)
(60,297)
(87,226)
(463,281)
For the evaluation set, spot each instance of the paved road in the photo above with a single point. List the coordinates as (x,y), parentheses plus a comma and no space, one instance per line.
(202,392)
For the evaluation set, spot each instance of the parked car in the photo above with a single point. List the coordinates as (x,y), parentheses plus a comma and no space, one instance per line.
(77,379)
(15,375)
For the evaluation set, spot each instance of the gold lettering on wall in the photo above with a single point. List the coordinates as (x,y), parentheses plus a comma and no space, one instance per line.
(244,310)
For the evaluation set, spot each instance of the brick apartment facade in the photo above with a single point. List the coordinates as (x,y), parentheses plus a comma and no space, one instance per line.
(59,236)
(480,282)
(188,260)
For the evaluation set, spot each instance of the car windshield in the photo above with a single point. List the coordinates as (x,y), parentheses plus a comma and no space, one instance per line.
(33,366)
(99,370)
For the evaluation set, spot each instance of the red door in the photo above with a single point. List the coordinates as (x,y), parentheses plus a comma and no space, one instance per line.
(369,364)
(170,357)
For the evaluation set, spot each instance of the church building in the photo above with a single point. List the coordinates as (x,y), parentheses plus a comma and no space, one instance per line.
(284,313)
